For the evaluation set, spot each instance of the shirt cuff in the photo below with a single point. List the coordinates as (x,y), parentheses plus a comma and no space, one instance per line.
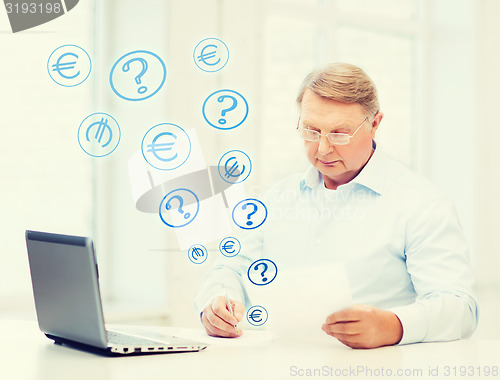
(414,320)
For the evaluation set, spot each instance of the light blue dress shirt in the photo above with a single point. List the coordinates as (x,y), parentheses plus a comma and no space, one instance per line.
(398,237)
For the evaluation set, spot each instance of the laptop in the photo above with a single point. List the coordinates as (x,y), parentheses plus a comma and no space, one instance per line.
(65,282)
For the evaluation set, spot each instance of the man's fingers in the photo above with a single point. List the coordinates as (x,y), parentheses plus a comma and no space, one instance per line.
(345,328)
(239,310)
(350,340)
(218,322)
(346,315)
(215,331)
(219,308)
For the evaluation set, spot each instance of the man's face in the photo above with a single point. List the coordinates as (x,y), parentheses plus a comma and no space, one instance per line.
(338,164)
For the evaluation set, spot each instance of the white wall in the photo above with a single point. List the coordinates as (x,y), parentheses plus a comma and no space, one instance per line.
(449,141)
(486,174)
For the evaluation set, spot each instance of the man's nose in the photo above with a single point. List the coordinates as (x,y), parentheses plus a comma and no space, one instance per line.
(325,146)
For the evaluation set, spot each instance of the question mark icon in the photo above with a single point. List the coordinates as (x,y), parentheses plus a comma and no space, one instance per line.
(263,276)
(176,202)
(241,216)
(142,86)
(255,208)
(264,279)
(126,68)
(168,206)
(216,113)
(220,99)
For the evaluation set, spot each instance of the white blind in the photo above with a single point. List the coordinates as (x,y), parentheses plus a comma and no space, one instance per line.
(45,177)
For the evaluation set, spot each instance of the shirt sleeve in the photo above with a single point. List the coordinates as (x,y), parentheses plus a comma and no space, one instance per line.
(230,272)
(437,259)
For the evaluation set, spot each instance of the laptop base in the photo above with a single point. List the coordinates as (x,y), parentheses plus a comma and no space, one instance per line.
(108,351)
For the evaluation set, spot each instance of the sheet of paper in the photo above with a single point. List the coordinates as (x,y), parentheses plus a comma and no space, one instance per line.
(299,300)
(249,338)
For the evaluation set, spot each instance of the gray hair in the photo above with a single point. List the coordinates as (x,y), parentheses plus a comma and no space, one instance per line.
(343,83)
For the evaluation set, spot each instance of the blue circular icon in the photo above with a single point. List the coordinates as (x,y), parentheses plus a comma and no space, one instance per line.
(229,247)
(69,65)
(197,254)
(225,109)
(211,55)
(179,208)
(257,315)
(235,166)
(166,146)
(99,134)
(249,213)
(137,75)
(262,272)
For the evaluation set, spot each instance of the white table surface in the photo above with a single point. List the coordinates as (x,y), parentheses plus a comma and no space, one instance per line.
(26,354)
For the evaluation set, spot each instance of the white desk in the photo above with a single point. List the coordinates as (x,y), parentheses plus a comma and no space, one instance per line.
(26,354)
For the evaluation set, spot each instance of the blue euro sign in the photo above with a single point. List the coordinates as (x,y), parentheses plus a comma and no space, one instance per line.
(162,147)
(204,56)
(102,126)
(59,67)
(197,252)
(228,246)
(256,315)
(234,168)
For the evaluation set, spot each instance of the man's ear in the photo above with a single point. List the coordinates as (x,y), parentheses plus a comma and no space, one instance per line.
(377,119)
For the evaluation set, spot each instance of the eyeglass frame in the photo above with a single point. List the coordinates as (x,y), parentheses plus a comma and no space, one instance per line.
(327,135)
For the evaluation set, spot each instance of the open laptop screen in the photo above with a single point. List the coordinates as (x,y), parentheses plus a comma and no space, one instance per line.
(65,286)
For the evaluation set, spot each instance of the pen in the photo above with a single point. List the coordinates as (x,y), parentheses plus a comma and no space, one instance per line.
(229,306)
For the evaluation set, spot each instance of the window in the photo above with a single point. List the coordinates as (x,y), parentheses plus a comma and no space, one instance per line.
(45,179)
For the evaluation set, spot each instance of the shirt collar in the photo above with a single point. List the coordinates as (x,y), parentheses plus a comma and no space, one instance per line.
(372,176)
(311,179)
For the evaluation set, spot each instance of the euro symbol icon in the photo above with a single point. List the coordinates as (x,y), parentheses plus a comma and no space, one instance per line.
(59,67)
(197,252)
(234,168)
(101,127)
(204,56)
(162,147)
(256,315)
(228,247)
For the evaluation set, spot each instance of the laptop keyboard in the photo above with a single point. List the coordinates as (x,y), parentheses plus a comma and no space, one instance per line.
(129,340)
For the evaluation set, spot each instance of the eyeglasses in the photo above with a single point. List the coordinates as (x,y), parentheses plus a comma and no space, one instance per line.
(334,138)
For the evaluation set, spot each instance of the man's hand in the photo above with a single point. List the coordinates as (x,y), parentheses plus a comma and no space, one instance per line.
(218,321)
(363,326)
